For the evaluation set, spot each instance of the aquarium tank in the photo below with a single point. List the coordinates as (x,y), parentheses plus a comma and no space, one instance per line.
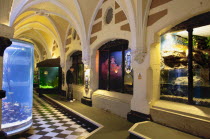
(48,77)
(18,84)
(174,68)
(115,68)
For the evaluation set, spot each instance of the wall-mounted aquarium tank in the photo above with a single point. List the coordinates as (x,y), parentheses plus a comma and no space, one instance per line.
(49,76)
(18,84)
(174,67)
(115,70)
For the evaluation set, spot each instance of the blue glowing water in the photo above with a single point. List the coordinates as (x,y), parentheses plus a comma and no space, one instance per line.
(18,84)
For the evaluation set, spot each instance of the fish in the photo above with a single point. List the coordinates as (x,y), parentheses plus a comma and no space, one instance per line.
(16,104)
(10,93)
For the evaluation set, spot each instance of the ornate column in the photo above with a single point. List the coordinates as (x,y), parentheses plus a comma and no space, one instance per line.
(140,102)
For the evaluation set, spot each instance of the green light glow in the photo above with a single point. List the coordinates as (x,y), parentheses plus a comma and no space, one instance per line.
(48,77)
(40,86)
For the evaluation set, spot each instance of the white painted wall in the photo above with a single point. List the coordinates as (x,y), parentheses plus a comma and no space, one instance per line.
(109,32)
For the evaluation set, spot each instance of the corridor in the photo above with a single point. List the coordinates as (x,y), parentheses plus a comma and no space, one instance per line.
(128,68)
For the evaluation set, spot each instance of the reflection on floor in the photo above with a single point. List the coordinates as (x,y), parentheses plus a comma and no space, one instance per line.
(50,123)
(114,127)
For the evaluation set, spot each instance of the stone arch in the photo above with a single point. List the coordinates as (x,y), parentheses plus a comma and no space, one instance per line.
(72,19)
(129,15)
(98,15)
(95,77)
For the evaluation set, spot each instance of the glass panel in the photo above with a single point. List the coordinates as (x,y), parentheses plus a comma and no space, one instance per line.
(74,60)
(103,69)
(78,69)
(48,77)
(18,84)
(128,78)
(80,79)
(80,59)
(201,70)
(36,80)
(174,71)
(75,73)
(116,71)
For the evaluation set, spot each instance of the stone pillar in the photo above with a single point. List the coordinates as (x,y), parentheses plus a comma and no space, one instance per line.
(140,107)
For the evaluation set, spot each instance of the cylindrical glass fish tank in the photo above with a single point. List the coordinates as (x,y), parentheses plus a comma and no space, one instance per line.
(18,84)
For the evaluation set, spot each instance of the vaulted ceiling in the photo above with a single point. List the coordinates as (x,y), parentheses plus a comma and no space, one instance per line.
(44,22)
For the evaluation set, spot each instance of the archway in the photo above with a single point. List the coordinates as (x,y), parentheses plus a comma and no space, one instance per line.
(185,66)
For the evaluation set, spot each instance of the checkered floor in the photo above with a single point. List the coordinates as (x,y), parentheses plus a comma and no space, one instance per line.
(49,123)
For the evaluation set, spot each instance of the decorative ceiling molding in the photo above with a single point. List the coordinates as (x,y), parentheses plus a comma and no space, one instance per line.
(42,13)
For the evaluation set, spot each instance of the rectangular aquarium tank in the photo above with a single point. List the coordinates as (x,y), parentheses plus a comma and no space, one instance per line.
(174,69)
(48,77)
(18,84)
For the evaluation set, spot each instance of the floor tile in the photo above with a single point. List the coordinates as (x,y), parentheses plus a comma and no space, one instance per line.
(49,123)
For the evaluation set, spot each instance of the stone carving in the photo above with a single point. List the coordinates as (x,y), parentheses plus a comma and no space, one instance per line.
(139,55)
(42,13)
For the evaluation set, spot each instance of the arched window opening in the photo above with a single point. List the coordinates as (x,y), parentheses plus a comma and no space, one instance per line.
(185,62)
(78,68)
(115,70)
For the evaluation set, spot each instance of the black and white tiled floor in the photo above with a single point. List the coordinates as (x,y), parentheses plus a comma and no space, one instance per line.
(49,123)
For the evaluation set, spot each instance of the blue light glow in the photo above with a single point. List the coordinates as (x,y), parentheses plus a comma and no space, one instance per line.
(18,84)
